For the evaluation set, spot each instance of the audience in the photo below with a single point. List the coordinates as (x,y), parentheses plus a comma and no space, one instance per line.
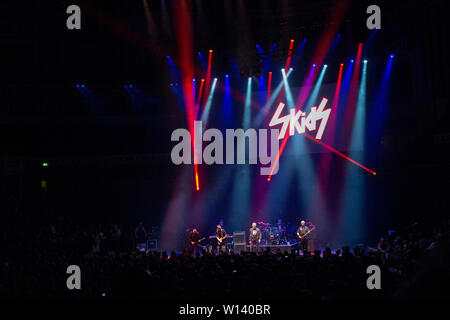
(34,261)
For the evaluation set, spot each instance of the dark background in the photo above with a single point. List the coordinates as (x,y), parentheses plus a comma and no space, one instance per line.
(110,159)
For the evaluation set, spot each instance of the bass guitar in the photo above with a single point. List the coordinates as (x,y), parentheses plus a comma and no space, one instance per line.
(195,242)
(303,236)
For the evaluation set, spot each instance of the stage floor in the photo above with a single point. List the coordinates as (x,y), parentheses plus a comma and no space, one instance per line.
(275,247)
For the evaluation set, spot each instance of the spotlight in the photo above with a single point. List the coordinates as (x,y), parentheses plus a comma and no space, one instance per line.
(282,69)
(314,65)
(210,51)
(365,61)
(125,86)
(325,65)
(342,64)
(352,61)
(82,85)
(292,40)
(291,69)
(392,55)
(131,86)
(193,79)
(338,34)
(226,76)
(78,85)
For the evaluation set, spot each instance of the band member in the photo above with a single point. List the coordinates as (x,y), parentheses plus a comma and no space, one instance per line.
(254,238)
(279,226)
(221,235)
(194,238)
(140,235)
(303,233)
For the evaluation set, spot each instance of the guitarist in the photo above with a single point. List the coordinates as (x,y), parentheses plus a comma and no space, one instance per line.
(221,235)
(302,233)
(194,238)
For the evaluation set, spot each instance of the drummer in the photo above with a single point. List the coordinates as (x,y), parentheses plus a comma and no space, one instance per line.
(279,225)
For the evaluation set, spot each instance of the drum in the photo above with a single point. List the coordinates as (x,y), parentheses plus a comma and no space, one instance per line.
(273,236)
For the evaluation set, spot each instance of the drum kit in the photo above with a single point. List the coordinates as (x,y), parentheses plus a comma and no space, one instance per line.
(273,234)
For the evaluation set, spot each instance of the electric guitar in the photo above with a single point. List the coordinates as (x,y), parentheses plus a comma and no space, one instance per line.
(303,236)
(195,242)
(219,240)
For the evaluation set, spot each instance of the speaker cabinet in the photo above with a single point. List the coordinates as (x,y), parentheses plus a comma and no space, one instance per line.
(239,248)
(239,241)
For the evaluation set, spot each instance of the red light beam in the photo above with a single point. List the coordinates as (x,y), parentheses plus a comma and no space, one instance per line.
(280,151)
(288,60)
(208,77)
(196,181)
(339,153)
(269,86)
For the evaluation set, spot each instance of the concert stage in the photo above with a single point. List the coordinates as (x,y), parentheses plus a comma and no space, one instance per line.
(148,146)
(274,248)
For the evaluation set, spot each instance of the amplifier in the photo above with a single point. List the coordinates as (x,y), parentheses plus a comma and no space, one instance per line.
(239,247)
(239,238)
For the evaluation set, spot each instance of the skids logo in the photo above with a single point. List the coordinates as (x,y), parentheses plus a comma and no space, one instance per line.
(215,152)
(298,121)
